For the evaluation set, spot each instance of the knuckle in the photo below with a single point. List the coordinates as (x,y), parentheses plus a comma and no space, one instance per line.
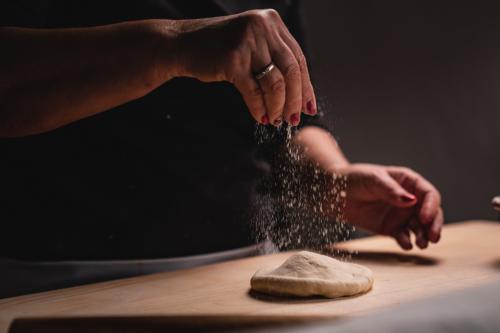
(292,70)
(257,16)
(405,171)
(278,86)
(301,59)
(408,171)
(250,22)
(260,16)
(272,13)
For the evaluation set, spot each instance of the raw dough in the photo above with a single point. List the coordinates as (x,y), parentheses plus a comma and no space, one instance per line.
(309,274)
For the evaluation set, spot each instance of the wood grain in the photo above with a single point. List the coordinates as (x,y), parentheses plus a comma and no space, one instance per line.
(468,255)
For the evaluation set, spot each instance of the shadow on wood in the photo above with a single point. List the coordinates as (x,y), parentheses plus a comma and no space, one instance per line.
(391,258)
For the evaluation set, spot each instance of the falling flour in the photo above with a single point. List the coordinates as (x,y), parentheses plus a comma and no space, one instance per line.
(302,206)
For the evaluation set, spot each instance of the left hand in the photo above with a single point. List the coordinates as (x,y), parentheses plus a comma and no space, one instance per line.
(393,201)
(234,48)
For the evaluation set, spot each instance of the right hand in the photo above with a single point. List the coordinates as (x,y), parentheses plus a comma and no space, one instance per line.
(393,201)
(234,48)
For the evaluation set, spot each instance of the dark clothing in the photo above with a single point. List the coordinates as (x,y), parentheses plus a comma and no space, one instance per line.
(173,173)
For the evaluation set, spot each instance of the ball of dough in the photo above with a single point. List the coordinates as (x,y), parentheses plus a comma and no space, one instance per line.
(311,274)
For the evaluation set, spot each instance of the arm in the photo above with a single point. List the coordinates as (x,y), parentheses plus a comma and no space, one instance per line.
(319,146)
(52,77)
(387,200)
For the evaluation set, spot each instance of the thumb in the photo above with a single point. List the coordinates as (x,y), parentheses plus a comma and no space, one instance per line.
(393,193)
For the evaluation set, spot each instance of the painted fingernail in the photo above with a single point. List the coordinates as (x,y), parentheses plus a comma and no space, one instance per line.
(295,119)
(277,121)
(422,243)
(310,108)
(264,120)
(407,198)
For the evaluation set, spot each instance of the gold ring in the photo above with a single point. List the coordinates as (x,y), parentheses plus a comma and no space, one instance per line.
(265,71)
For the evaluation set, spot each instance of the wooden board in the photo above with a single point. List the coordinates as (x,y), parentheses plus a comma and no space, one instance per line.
(468,255)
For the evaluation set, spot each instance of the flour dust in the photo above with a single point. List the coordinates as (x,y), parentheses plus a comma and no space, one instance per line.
(299,205)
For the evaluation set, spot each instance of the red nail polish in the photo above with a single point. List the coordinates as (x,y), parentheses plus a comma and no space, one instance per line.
(310,108)
(264,120)
(407,198)
(295,119)
(277,121)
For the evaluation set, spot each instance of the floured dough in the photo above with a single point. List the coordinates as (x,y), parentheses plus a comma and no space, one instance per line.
(309,274)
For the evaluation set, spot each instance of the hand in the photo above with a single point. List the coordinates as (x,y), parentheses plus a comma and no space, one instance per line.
(393,201)
(234,48)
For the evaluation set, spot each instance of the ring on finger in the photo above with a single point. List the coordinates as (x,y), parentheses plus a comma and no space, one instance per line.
(265,71)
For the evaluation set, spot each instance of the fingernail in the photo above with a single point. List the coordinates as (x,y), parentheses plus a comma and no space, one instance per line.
(277,121)
(422,244)
(310,108)
(264,120)
(295,119)
(407,198)
(407,247)
(434,235)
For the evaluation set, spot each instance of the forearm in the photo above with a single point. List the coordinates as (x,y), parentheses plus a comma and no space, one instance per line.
(315,163)
(319,147)
(51,77)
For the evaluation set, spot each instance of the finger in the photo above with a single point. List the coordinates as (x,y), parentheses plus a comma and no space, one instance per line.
(251,91)
(289,67)
(431,202)
(403,239)
(253,97)
(308,97)
(272,84)
(427,194)
(420,233)
(434,230)
(273,89)
(392,192)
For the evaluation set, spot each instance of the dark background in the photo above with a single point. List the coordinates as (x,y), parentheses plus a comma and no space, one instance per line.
(414,83)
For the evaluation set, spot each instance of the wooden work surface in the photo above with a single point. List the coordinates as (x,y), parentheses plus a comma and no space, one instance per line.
(468,255)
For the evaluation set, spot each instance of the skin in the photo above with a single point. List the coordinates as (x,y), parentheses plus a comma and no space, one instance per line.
(387,200)
(52,77)
(77,73)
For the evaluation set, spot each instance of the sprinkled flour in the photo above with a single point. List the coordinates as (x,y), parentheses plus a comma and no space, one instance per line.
(302,207)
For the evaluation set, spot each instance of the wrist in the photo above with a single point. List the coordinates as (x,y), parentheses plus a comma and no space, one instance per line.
(167,55)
